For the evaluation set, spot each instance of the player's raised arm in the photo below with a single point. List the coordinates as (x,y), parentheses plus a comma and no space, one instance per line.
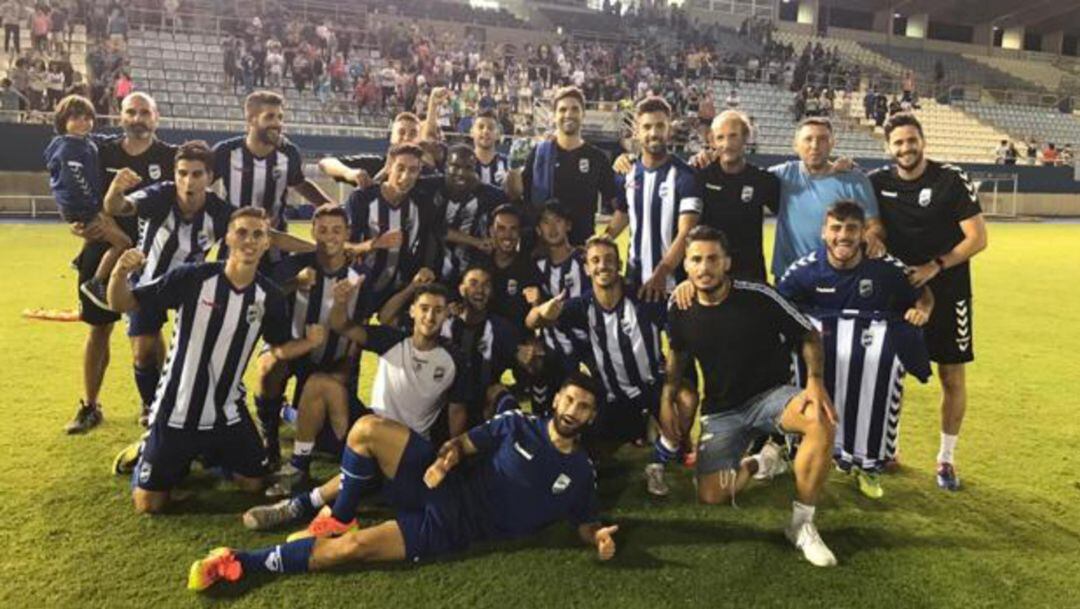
(120,297)
(390,313)
(290,243)
(601,537)
(115,203)
(546,314)
(339,315)
(312,193)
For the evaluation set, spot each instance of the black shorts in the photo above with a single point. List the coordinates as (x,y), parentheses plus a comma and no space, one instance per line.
(168,452)
(431,520)
(950,333)
(625,420)
(87,263)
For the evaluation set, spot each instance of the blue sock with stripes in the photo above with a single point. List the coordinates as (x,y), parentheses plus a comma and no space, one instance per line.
(357,473)
(664,451)
(289,557)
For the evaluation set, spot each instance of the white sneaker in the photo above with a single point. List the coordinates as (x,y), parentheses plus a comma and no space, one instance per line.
(654,480)
(814,550)
(772,462)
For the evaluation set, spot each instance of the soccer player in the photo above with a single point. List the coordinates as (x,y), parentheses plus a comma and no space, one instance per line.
(515,282)
(465,204)
(310,304)
(934,224)
(807,187)
(360,170)
(742,334)
(562,269)
(392,224)
(181,222)
(526,473)
(624,337)
(491,165)
(735,195)
(199,410)
(660,200)
(867,312)
(569,169)
(257,168)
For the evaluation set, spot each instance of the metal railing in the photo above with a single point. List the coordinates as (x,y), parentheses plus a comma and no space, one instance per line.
(37,206)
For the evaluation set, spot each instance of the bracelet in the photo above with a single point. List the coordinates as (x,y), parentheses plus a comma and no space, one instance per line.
(940,262)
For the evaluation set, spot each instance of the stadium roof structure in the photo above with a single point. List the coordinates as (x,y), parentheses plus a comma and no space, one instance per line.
(1036,16)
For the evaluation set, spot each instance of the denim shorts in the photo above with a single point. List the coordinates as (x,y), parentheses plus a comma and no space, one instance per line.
(725,436)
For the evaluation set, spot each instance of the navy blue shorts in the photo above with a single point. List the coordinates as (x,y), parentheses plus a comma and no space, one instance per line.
(146,322)
(168,452)
(429,519)
(625,420)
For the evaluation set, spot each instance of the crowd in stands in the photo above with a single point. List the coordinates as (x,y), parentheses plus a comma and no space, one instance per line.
(1035,153)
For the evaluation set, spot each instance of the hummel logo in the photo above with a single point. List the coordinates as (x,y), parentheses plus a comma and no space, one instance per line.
(822,290)
(524,453)
(889,193)
(714,186)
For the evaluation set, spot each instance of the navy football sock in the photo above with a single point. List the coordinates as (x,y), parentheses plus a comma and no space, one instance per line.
(357,473)
(290,557)
(268,410)
(146,379)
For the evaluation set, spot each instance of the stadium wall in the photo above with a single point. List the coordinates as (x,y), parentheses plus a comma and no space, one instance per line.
(1042,191)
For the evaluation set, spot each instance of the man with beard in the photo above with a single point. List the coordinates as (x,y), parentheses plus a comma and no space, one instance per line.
(807,187)
(515,282)
(867,313)
(256,169)
(742,334)
(660,200)
(736,193)
(222,310)
(152,161)
(934,224)
(569,169)
(361,169)
(464,204)
(624,338)
(491,165)
(525,473)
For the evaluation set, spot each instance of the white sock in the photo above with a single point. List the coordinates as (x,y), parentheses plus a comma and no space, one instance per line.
(668,444)
(316,498)
(801,514)
(948,446)
(302,449)
(760,463)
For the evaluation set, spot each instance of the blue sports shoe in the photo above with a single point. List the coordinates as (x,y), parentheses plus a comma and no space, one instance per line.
(947,478)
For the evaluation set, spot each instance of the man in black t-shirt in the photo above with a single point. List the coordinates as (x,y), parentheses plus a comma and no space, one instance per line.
(736,194)
(360,170)
(742,333)
(139,150)
(934,224)
(569,169)
(515,281)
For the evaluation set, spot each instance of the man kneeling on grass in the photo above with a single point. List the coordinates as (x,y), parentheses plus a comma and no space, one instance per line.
(527,473)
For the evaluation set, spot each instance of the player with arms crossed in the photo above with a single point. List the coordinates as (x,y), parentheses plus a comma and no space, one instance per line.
(199,410)
(934,223)
(526,473)
(742,334)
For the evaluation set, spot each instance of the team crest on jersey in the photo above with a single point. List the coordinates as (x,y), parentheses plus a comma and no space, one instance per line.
(627,326)
(254,312)
(440,373)
(924,197)
(665,190)
(155,171)
(747,193)
(145,469)
(569,283)
(866,288)
(512,287)
(561,484)
(583,165)
(276,172)
(867,338)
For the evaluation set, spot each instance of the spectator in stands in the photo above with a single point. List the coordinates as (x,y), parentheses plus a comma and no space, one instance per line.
(170,14)
(301,72)
(40,25)
(732,100)
(1067,158)
(908,85)
(939,72)
(58,26)
(122,87)
(869,102)
(54,85)
(13,13)
(231,62)
(1011,154)
(1050,155)
(117,29)
(38,85)
(20,79)
(881,108)
(11,101)
(338,73)
(1032,150)
(275,64)
(894,105)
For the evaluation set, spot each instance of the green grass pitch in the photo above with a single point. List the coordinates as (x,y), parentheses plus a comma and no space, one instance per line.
(1011,538)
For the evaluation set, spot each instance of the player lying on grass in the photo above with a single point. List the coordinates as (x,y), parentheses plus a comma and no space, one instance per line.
(525,474)
(221,310)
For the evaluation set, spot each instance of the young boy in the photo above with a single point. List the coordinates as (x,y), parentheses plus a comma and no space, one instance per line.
(74,178)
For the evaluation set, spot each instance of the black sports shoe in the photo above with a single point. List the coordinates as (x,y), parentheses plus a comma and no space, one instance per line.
(94,289)
(88,417)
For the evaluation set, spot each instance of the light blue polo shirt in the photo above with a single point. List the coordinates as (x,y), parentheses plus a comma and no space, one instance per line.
(803,201)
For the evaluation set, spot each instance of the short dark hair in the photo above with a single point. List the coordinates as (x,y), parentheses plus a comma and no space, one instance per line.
(460,149)
(505,209)
(702,232)
(70,106)
(196,150)
(408,117)
(846,209)
(817,121)
(564,92)
(903,119)
(579,379)
(262,98)
(556,207)
(409,149)
(477,265)
(330,210)
(486,113)
(601,241)
(652,104)
(434,289)
(249,212)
